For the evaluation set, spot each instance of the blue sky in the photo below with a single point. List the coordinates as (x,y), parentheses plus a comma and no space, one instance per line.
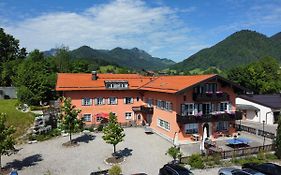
(172,29)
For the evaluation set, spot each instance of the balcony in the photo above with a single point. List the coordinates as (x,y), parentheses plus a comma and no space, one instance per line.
(143,109)
(213,96)
(224,116)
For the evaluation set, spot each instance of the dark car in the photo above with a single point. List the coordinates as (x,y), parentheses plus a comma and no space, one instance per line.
(174,169)
(266,168)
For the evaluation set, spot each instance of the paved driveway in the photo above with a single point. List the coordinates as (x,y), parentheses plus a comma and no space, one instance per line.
(146,153)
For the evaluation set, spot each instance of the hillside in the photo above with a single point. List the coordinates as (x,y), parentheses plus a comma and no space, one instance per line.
(239,48)
(21,121)
(130,58)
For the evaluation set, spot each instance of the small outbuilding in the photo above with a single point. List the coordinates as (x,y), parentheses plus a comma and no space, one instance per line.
(259,108)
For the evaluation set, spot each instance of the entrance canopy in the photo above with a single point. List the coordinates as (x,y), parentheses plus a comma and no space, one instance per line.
(246,107)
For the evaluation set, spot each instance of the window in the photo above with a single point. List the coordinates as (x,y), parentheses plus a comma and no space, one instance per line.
(222,125)
(191,128)
(163,124)
(223,106)
(211,87)
(99,101)
(188,109)
(207,108)
(149,102)
(87,117)
(86,101)
(99,119)
(128,100)
(138,98)
(165,105)
(116,84)
(128,115)
(112,101)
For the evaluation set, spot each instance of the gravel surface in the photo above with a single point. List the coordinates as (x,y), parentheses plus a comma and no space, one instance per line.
(145,153)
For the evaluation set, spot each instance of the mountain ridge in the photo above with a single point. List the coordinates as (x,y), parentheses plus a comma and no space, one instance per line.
(239,48)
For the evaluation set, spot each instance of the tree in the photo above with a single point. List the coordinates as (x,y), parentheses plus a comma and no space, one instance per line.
(174,152)
(69,117)
(7,141)
(9,51)
(34,79)
(113,133)
(262,76)
(278,140)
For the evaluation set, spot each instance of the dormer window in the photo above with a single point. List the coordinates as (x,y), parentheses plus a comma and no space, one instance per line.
(116,84)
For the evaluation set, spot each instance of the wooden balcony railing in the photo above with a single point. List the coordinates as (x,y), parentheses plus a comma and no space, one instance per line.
(212,96)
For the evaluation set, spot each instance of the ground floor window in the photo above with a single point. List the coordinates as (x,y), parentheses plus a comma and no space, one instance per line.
(128,115)
(222,125)
(87,117)
(99,119)
(191,128)
(163,124)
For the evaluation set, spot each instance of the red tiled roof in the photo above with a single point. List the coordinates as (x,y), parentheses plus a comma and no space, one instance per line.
(168,84)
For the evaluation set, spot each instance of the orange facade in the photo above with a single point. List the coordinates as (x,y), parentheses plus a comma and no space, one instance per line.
(168,104)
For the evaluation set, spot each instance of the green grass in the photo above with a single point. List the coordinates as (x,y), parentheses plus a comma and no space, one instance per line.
(21,121)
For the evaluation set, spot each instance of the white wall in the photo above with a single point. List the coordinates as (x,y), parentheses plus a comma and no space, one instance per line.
(261,115)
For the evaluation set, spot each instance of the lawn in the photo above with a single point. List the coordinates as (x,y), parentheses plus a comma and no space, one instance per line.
(21,121)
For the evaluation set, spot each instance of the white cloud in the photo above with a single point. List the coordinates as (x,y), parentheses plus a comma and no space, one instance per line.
(123,23)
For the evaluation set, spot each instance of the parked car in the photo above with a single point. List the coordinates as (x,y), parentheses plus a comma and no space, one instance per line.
(236,171)
(266,168)
(174,169)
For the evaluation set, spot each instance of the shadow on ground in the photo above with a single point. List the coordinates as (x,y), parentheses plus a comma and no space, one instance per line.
(84,138)
(126,152)
(26,162)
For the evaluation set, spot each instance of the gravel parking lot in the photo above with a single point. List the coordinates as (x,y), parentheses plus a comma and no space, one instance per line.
(145,153)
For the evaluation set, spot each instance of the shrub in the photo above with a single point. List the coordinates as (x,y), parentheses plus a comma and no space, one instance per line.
(174,152)
(196,161)
(115,170)
(100,127)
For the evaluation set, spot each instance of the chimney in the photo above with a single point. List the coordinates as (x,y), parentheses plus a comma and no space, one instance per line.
(94,75)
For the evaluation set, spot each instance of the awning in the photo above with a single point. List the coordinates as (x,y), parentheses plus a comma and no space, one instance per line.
(103,115)
(246,107)
(238,141)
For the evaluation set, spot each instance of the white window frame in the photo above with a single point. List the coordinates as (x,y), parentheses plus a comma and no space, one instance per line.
(225,126)
(110,102)
(193,127)
(131,101)
(87,101)
(87,120)
(99,101)
(224,103)
(126,116)
(163,124)
(99,119)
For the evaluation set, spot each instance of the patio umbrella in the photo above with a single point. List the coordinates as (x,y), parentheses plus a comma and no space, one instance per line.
(176,140)
(202,144)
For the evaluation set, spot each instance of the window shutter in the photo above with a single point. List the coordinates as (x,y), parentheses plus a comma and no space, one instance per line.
(116,100)
(132,99)
(96,101)
(103,101)
(171,106)
(83,101)
(108,100)
(124,100)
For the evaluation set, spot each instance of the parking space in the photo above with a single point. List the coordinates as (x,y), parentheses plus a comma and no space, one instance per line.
(145,153)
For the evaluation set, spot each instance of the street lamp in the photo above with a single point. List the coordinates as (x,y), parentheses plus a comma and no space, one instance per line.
(263,133)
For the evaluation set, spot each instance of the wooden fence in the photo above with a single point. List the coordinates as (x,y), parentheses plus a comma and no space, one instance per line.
(255,131)
(242,151)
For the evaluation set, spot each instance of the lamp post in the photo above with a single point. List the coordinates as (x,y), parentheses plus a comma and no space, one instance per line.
(263,133)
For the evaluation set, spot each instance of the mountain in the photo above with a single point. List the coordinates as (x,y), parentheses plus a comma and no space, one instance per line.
(239,48)
(276,37)
(130,58)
